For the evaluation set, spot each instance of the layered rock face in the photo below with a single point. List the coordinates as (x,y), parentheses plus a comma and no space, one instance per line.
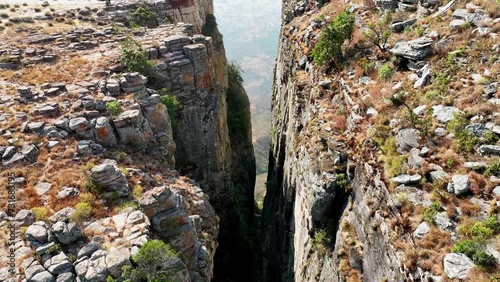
(189,11)
(116,125)
(355,159)
(305,195)
(193,68)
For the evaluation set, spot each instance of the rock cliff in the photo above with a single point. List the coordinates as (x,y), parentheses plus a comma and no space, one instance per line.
(107,141)
(334,210)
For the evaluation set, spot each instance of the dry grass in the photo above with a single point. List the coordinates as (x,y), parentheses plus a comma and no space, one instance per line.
(469,209)
(431,250)
(74,69)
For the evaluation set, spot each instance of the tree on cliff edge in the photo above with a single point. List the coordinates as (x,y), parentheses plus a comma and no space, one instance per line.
(330,45)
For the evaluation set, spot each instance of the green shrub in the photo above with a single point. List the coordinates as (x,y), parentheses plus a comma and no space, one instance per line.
(393,161)
(87,198)
(341,181)
(475,251)
(135,58)
(87,167)
(335,34)
(40,213)
(54,249)
(493,169)
(238,115)
(137,191)
(432,95)
(431,211)
(152,262)
(493,224)
(385,71)
(321,237)
(82,211)
(490,137)
(142,16)
(173,106)
(480,231)
(465,139)
(367,65)
(379,32)
(113,108)
(120,156)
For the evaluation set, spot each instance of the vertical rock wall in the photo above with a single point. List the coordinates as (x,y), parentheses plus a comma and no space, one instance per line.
(306,194)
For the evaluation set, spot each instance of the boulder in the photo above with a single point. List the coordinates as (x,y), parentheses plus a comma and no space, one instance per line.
(66,277)
(67,233)
(9,152)
(109,176)
(400,26)
(425,78)
(31,267)
(67,192)
(136,217)
(24,218)
(417,49)
(407,179)
(457,265)
(97,270)
(460,184)
(104,132)
(79,124)
(444,113)
(89,249)
(443,222)
(46,109)
(414,159)
(43,276)
(457,24)
(37,232)
(58,264)
(422,229)
(474,18)
(63,215)
(407,139)
(42,188)
(115,261)
(490,149)
(45,248)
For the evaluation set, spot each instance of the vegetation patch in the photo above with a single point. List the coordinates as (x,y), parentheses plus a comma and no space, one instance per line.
(173,105)
(152,263)
(142,16)
(40,213)
(475,250)
(431,211)
(113,108)
(465,139)
(238,117)
(379,32)
(135,58)
(331,45)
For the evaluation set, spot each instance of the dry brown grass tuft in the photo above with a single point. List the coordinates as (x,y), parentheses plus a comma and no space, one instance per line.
(76,68)
(469,209)
(478,183)
(340,123)
(431,250)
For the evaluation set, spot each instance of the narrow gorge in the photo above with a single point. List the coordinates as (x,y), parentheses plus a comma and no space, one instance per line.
(127,153)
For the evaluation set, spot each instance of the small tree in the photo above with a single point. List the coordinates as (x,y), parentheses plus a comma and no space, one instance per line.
(379,32)
(142,16)
(135,58)
(152,263)
(173,106)
(329,46)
